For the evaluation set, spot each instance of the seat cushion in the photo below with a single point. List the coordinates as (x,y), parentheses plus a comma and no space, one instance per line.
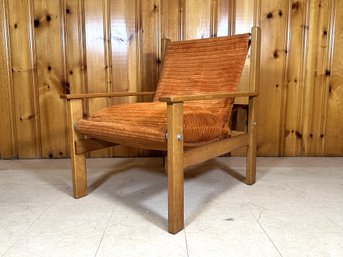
(144,125)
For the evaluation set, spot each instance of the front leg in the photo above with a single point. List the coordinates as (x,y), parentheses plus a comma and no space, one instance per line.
(78,161)
(175,168)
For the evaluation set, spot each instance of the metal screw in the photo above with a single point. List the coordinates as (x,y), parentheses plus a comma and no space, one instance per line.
(255,123)
(179,137)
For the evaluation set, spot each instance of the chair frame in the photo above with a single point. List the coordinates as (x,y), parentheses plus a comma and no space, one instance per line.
(178,158)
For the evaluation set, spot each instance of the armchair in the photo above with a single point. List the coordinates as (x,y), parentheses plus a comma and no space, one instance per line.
(188,117)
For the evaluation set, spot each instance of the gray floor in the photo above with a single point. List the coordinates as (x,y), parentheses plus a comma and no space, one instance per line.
(294,209)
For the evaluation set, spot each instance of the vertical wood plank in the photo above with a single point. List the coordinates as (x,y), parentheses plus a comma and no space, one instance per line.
(23,77)
(244,11)
(51,80)
(223,18)
(214,12)
(334,125)
(171,12)
(7,126)
(150,45)
(316,81)
(95,58)
(294,84)
(272,59)
(151,40)
(75,51)
(124,56)
(74,31)
(197,23)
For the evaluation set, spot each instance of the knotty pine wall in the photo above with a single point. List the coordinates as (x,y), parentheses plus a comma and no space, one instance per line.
(50,47)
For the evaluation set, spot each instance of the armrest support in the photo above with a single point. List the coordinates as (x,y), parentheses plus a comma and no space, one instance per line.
(99,95)
(184,98)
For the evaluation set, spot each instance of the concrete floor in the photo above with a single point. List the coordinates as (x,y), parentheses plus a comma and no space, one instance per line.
(294,209)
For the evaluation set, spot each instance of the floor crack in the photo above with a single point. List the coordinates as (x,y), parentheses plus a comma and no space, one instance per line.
(184,232)
(109,219)
(258,222)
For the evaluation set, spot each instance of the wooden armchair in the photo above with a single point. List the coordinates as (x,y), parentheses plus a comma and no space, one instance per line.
(188,117)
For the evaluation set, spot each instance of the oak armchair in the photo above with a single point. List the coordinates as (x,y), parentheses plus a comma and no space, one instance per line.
(188,117)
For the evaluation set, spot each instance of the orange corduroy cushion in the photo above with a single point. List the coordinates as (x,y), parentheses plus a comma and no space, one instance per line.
(205,66)
(144,125)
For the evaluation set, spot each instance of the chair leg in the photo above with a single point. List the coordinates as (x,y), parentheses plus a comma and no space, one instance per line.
(78,161)
(175,169)
(251,152)
(251,165)
(79,175)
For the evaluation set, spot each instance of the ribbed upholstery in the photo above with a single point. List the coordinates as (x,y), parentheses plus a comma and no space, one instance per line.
(144,125)
(204,66)
(190,67)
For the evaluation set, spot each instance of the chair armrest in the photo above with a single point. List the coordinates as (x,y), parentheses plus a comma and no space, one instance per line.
(184,98)
(99,95)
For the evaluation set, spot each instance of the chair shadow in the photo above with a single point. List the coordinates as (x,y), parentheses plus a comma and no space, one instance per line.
(238,176)
(148,188)
(134,199)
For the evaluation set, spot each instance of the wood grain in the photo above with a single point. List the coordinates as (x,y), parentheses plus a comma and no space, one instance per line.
(273,62)
(51,77)
(110,46)
(316,79)
(294,80)
(212,150)
(151,40)
(95,56)
(223,18)
(171,20)
(7,126)
(125,56)
(175,168)
(75,54)
(26,117)
(254,85)
(175,99)
(90,144)
(105,95)
(78,161)
(197,23)
(243,22)
(334,124)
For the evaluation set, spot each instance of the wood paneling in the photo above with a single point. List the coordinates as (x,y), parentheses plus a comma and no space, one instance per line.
(52,47)
(125,55)
(25,91)
(318,74)
(274,24)
(197,19)
(291,134)
(7,126)
(96,59)
(334,125)
(50,76)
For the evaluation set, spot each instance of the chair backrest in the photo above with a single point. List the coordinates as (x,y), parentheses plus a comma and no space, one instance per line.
(203,66)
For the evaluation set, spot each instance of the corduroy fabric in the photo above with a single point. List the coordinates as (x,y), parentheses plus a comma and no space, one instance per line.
(204,66)
(144,125)
(190,67)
